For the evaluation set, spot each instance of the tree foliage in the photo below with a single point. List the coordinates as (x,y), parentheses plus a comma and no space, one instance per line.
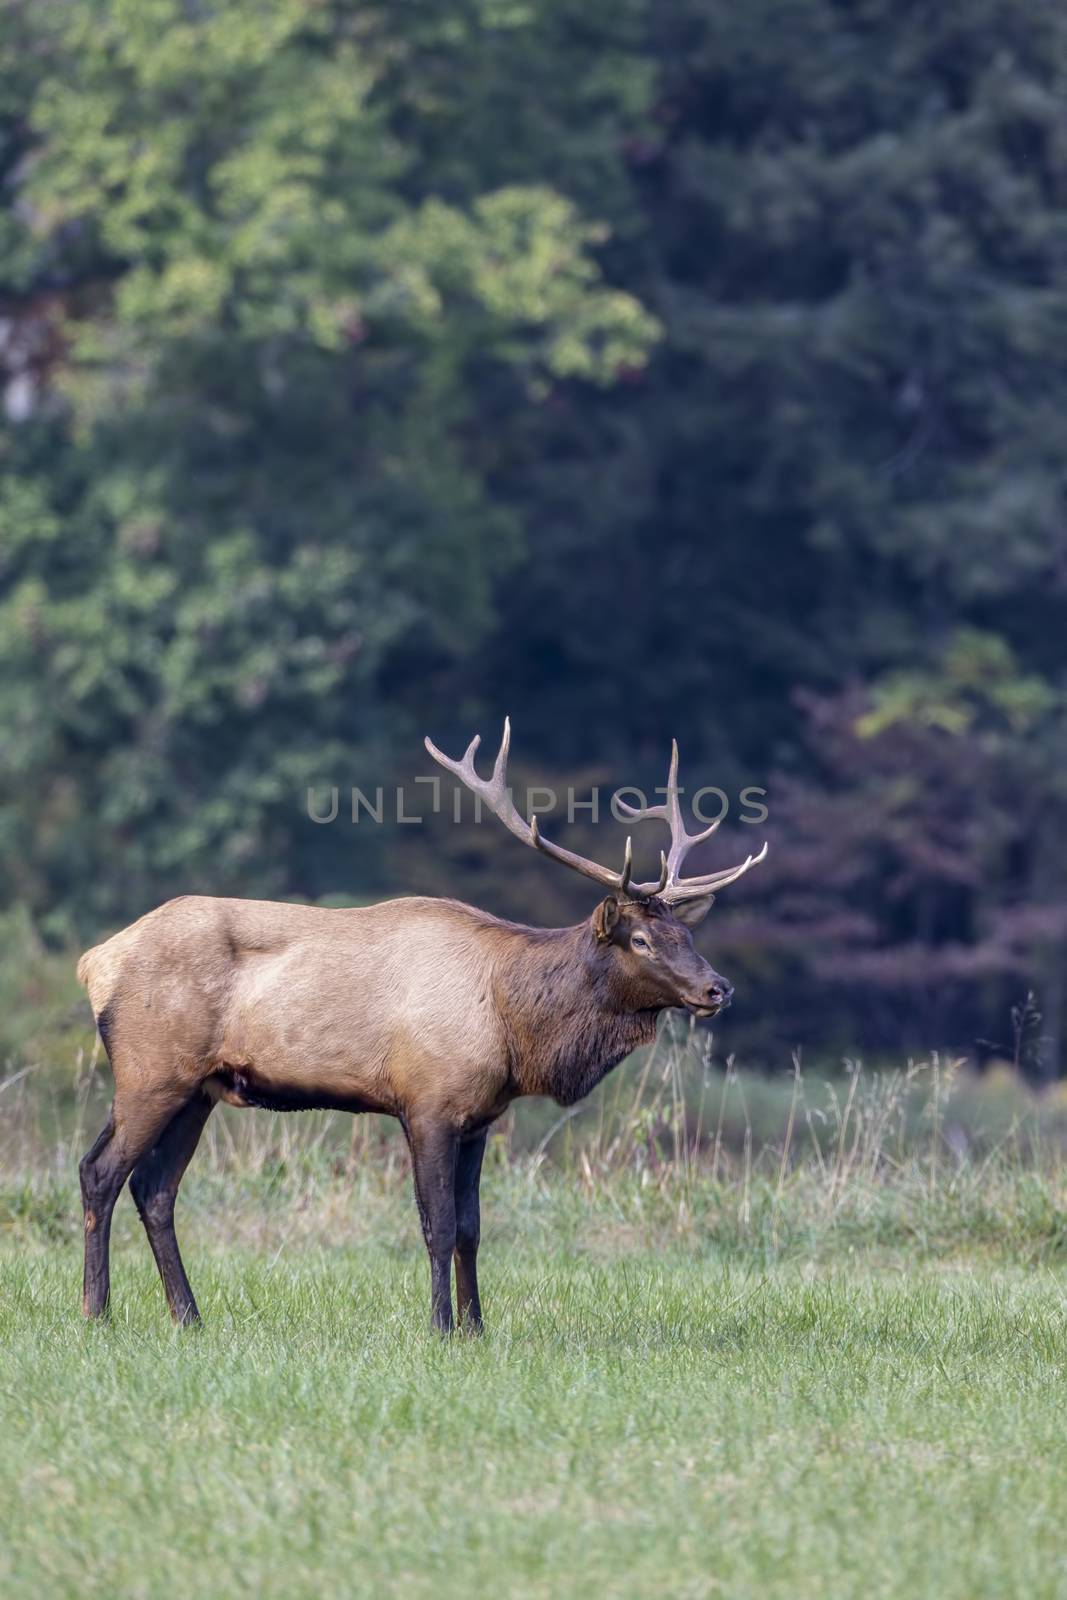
(254,468)
(639,369)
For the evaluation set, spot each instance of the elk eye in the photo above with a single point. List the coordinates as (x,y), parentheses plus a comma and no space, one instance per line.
(639,942)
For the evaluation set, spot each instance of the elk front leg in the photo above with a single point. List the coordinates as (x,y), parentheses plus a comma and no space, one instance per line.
(434,1148)
(154,1186)
(468,1230)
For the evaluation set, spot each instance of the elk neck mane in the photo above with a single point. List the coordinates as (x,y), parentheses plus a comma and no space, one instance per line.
(565,1023)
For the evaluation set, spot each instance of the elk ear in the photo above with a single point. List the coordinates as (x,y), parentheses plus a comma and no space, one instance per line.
(605,918)
(693,911)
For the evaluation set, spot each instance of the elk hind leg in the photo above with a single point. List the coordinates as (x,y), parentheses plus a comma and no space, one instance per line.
(99,1194)
(154,1186)
(131,1128)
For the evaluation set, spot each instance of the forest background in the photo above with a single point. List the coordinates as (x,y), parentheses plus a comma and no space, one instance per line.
(641,369)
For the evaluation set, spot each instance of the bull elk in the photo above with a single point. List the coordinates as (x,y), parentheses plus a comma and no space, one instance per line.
(425,1009)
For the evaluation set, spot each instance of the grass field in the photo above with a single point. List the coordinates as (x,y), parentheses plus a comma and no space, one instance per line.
(727,1370)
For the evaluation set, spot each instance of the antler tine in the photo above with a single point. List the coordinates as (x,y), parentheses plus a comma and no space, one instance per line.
(467,763)
(627,866)
(689,888)
(500,765)
(494,793)
(670,812)
(672,888)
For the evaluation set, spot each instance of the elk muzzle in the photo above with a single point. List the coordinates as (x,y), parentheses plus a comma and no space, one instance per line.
(714,997)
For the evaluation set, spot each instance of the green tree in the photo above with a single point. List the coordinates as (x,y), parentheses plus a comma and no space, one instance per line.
(268,430)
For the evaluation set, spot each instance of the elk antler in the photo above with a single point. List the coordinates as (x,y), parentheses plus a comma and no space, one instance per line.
(496,795)
(673,889)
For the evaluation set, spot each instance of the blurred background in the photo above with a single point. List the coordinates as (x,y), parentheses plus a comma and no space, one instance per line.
(645,369)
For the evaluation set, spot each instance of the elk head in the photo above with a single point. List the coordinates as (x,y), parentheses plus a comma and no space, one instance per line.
(648,960)
(641,931)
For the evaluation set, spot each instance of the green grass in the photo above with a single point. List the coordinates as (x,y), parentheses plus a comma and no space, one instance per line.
(744,1337)
(662,1404)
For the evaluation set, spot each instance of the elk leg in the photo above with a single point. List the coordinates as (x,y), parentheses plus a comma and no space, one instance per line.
(103,1171)
(99,1194)
(433,1158)
(468,1230)
(154,1186)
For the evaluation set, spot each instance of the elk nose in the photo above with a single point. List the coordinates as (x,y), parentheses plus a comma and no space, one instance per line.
(720,993)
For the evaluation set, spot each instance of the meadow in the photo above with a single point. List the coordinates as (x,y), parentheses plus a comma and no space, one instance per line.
(785,1336)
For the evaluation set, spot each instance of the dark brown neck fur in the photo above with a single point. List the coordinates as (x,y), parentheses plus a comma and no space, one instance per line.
(565,1028)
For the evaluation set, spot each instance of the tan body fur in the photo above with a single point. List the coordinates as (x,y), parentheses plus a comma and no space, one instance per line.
(415,1006)
(361,1004)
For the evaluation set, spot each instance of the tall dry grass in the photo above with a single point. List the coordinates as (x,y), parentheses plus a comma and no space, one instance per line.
(926,1159)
